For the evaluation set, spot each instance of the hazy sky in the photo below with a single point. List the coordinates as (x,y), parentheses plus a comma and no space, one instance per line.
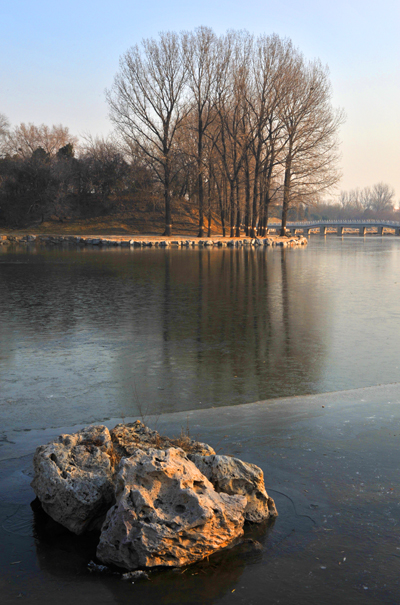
(57,59)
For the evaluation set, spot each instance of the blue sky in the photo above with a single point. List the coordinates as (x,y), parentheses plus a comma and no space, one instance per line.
(56,59)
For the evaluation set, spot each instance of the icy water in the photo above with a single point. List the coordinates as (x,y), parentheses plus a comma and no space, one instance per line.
(86,335)
(191,338)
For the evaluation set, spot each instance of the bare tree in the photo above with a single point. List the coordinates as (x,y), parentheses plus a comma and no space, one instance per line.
(232,138)
(146,105)
(4,130)
(201,63)
(269,62)
(381,198)
(377,200)
(105,167)
(311,125)
(24,139)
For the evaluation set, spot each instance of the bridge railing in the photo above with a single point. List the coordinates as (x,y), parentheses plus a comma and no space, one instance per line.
(344,222)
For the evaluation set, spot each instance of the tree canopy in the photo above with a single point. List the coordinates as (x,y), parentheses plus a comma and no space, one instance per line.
(249,117)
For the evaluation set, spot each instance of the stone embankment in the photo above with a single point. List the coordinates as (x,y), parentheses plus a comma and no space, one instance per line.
(149,242)
(158,501)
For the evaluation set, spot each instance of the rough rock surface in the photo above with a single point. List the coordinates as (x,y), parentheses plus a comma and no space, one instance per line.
(233,476)
(170,502)
(127,438)
(167,513)
(74,477)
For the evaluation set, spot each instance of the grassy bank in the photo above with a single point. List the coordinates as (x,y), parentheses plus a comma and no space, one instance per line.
(142,220)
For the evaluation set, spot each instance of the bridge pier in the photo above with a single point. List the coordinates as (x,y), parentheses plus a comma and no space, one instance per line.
(380,230)
(397,231)
(322,230)
(362,230)
(340,230)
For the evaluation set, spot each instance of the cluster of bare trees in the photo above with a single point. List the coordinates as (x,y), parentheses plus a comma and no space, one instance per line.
(44,173)
(377,202)
(379,198)
(235,122)
(4,132)
(25,139)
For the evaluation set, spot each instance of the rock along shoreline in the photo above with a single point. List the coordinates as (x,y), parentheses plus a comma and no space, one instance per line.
(153,242)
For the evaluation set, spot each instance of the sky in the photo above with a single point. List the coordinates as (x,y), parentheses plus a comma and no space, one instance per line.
(57,59)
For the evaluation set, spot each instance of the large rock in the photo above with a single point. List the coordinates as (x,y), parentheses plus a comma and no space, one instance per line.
(233,476)
(170,502)
(167,513)
(74,477)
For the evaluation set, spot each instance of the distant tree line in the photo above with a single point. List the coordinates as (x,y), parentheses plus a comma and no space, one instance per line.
(368,203)
(239,126)
(44,173)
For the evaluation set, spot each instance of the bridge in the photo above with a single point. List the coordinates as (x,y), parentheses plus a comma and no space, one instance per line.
(339,227)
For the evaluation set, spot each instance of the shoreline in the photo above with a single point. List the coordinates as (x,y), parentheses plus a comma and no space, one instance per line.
(142,241)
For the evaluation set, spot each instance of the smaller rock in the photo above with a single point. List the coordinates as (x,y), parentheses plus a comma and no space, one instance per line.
(135,575)
(93,567)
(233,476)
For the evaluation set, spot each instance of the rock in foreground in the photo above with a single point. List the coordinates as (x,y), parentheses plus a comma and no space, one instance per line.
(167,513)
(170,502)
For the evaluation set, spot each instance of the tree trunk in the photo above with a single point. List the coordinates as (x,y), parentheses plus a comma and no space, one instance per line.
(223,222)
(200,178)
(260,229)
(253,230)
(167,200)
(201,206)
(238,213)
(209,216)
(232,206)
(247,193)
(267,188)
(266,211)
(286,192)
(221,207)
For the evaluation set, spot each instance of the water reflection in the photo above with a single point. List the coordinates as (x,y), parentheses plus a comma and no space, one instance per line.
(61,555)
(89,334)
